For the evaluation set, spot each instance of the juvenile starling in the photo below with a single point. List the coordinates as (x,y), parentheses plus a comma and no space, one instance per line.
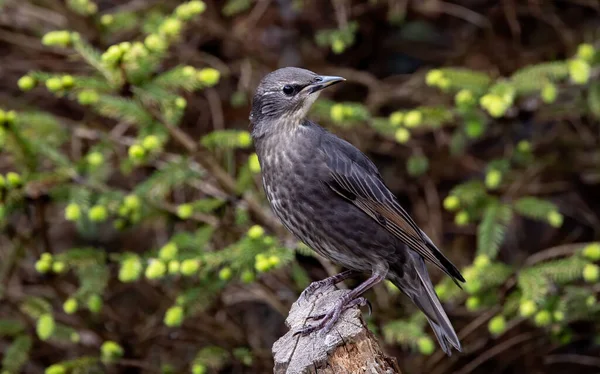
(332,197)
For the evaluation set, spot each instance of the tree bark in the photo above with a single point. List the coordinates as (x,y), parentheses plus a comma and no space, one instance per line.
(348,348)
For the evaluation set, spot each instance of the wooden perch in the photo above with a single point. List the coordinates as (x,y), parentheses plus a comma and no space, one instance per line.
(348,348)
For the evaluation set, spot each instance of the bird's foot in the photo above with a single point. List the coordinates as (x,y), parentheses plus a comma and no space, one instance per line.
(313,288)
(328,319)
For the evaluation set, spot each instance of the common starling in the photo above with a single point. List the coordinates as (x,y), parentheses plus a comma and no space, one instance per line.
(332,198)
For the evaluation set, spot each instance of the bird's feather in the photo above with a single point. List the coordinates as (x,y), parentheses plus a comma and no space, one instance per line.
(355,177)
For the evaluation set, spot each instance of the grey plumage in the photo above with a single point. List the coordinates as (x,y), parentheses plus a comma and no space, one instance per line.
(332,197)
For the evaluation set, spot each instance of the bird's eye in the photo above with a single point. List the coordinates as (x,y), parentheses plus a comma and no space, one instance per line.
(288,90)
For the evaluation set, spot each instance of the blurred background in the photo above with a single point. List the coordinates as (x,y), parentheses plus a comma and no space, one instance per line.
(135,233)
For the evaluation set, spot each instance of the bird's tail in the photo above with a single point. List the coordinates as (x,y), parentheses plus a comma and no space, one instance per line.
(417,285)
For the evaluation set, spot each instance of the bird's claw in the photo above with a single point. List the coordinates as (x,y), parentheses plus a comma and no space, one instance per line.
(312,288)
(328,319)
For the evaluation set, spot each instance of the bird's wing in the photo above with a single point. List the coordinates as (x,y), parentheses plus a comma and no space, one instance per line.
(356,178)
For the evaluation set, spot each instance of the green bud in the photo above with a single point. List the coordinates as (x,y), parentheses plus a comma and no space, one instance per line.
(543,318)
(473,303)
(189,71)
(433,77)
(527,308)
(45,326)
(26,83)
(262,265)
(337,112)
(524,146)
(396,118)
(579,71)
(57,38)
(198,369)
(497,325)
(444,84)
(253,163)
(473,286)
(481,262)
(208,76)
(174,267)
(98,213)
(592,251)
(107,19)
(95,159)
(53,84)
(168,251)
(274,261)
(67,81)
(461,218)
(402,135)
(174,316)
(555,219)
(59,267)
(451,203)
(55,369)
(590,301)
(72,212)
(170,27)
(70,306)
(124,47)
(156,269)
(47,256)
(131,269)
(558,316)
(474,128)
(112,55)
(247,276)
(42,266)
(155,43)
(338,46)
(244,139)
(185,211)
(586,52)
(87,97)
(136,152)
(591,273)
(180,103)
(413,119)
(493,178)
(151,142)
(225,274)
(132,202)
(74,337)
(94,303)
(196,7)
(14,180)
(425,345)
(256,232)
(189,267)
(549,93)
(464,98)
(111,350)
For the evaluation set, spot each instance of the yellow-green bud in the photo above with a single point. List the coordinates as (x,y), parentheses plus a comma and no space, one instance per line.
(579,71)
(402,135)
(107,19)
(95,159)
(396,118)
(464,98)
(461,218)
(253,163)
(527,308)
(14,180)
(256,232)
(590,301)
(247,276)
(543,318)
(444,84)
(111,350)
(185,211)
(473,286)
(55,369)
(156,269)
(262,264)
(274,260)
(473,303)
(94,303)
(70,306)
(59,267)
(53,84)
(558,316)
(72,212)
(132,202)
(451,203)
(244,139)
(45,326)
(555,219)
(413,118)
(493,178)
(198,369)
(591,273)
(474,128)
(338,46)
(98,213)
(481,262)
(592,251)
(131,269)
(168,251)
(47,256)
(57,38)
(524,146)
(136,152)
(497,325)
(155,43)
(26,83)
(586,52)
(208,76)
(225,273)
(74,337)
(112,55)
(87,97)
(189,267)
(151,142)
(425,345)
(170,27)
(433,77)
(174,316)
(188,71)
(174,267)
(42,266)
(549,93)
(67,81)
(180,103)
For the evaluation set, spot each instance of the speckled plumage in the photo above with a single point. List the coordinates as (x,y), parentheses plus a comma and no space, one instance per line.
(332,197)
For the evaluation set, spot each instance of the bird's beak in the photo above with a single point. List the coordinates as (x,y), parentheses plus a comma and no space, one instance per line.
(324,81)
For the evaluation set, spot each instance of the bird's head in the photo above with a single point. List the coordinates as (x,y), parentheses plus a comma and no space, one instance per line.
(284,96)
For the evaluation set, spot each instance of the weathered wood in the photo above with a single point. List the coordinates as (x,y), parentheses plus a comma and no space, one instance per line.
(348,348)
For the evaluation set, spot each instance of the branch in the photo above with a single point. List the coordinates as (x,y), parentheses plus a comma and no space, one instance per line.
(348,348)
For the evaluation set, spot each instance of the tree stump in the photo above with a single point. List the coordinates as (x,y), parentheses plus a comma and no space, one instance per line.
(348,348)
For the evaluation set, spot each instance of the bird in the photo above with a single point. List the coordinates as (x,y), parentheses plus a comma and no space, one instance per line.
(332,197)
